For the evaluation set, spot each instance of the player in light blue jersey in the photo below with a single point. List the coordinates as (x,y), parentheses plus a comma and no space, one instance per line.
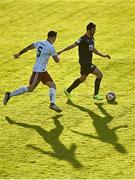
(44,50)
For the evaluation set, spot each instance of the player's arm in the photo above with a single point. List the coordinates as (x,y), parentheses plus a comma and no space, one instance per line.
(100,54)
(30,47)
(56,58)
(68,48)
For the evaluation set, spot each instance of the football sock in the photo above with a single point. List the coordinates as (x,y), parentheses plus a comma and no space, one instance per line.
(52,95)
(74,85)
(19,91)
(97,86)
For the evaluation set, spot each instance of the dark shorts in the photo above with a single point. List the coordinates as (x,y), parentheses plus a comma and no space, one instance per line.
(87,69)
(38,77)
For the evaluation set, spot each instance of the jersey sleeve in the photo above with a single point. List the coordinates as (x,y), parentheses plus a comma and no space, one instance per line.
(53,52)
(36,43)
(78,41)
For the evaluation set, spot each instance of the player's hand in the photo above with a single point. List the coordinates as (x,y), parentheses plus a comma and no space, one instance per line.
(107,56)
(58,55)
(16,56)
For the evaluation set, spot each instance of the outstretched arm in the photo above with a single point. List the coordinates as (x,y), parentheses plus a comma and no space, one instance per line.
(118,127)
(31,46)
(100,54)
(67,48)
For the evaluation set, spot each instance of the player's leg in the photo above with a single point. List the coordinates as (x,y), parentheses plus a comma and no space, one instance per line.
(74,85)
(99,76)
(52,95)
(19,91)
(84,71)
(33,83)
(47,80)
(77,82)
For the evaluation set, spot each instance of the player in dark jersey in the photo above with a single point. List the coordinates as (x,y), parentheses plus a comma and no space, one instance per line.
(86,48)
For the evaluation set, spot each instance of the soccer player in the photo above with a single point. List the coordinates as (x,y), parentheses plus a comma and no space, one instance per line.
(44,50)
(86,49)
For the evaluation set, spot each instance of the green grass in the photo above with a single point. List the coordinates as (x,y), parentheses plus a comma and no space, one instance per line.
(86,140)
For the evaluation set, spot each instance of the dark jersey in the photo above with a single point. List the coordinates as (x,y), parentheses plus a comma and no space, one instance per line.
(85,48)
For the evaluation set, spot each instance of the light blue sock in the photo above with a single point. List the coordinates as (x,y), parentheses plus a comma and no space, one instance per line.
(19,91)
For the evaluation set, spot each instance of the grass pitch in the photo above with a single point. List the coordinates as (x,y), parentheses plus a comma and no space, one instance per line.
(88,139)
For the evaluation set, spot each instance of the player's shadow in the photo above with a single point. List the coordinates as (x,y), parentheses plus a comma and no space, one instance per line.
(60,151)
(104,133)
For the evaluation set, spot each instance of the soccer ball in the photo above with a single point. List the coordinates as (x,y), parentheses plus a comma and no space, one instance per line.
(110,96)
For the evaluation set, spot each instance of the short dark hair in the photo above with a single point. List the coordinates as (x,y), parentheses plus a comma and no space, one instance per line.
(90,26)
(52,34)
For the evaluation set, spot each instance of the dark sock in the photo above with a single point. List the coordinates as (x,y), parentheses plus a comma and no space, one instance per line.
(74,85)
(97,86)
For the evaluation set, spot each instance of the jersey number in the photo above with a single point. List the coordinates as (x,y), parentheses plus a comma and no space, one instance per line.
(39,51)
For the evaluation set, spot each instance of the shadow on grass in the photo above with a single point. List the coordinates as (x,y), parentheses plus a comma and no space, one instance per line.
(52,137)
(105,134)
(112,102)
